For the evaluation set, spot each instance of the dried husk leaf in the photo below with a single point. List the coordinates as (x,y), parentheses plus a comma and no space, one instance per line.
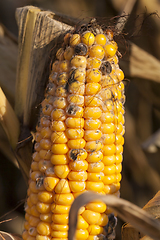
(127,211)
(9,236)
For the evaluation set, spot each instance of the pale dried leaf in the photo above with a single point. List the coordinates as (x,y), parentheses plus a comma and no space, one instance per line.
(151,144)
(9,236)
(127,211)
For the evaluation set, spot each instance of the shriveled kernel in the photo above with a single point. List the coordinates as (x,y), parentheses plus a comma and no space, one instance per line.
(43,165)
(74,111)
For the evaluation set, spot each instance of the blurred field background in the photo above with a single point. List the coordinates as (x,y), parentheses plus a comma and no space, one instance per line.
(141,165)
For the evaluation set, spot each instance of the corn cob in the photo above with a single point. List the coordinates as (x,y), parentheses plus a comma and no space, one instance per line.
(79,138)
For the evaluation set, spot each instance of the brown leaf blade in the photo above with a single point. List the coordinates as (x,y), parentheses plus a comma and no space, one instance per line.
(125,210)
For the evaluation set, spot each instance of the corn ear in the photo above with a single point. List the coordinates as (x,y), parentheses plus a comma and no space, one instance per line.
(79,138)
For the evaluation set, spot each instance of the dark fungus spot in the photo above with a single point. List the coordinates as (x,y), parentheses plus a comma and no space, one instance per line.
(106,68)
(81,49)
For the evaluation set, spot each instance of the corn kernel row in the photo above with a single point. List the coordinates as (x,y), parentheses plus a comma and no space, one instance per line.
(79,139)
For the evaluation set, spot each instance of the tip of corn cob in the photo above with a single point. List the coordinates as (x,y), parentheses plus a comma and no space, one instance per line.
(79,138)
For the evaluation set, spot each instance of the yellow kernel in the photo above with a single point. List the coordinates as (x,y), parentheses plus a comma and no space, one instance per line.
(74,133)
(43,207)
(82,224)
(94,157)
(41,237)
(61,92)
(77,176)
(97,51)
(62,186)
(55,66)
(58,126)
(45,144)
(60,209)
(58,114)
(119,73)
(78,74)
(92,112)
(34,166)
(79,62)
(74,111)
(63,199)
(77,154)
(90,124)
(109,150)
(59,159)
(95,177)
(78,165)
(59,54)
(59,227)
(88,38)
(118,177)
(59,234)
(47,109)
(34,211)
(119,149)
(44,228)
(61,170)
(107,128)
(59,137)
(46,217)
(46,197)
(94,186)
(112,188)
(68,53)
(103,220)
(59,102)
(76,88)
(81,234)
(92,101)
(119,158)
(109,160)
(77,186)
(34,198)
(93,146)
(110,50)
(91,217)
(35,175)
(36,156)
(118,128)
(50,172)
(29,203)
(91,135)
(64,66)
(76,99)
(107,117)
(76,194)
(45,154)
(33,221)
(92,88)
(26,225)
(99,207)
(76,143)
(108,138)
(95,229)
(43,165)
(50,183)
(93,76)
(25,235)
(118,168)
(109,170)
(109,179)
(60,218)
(61,80)
(59,148)
(38,137)
(101,40)
(95,167)
(93,63)
(74,122)
(75,39)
